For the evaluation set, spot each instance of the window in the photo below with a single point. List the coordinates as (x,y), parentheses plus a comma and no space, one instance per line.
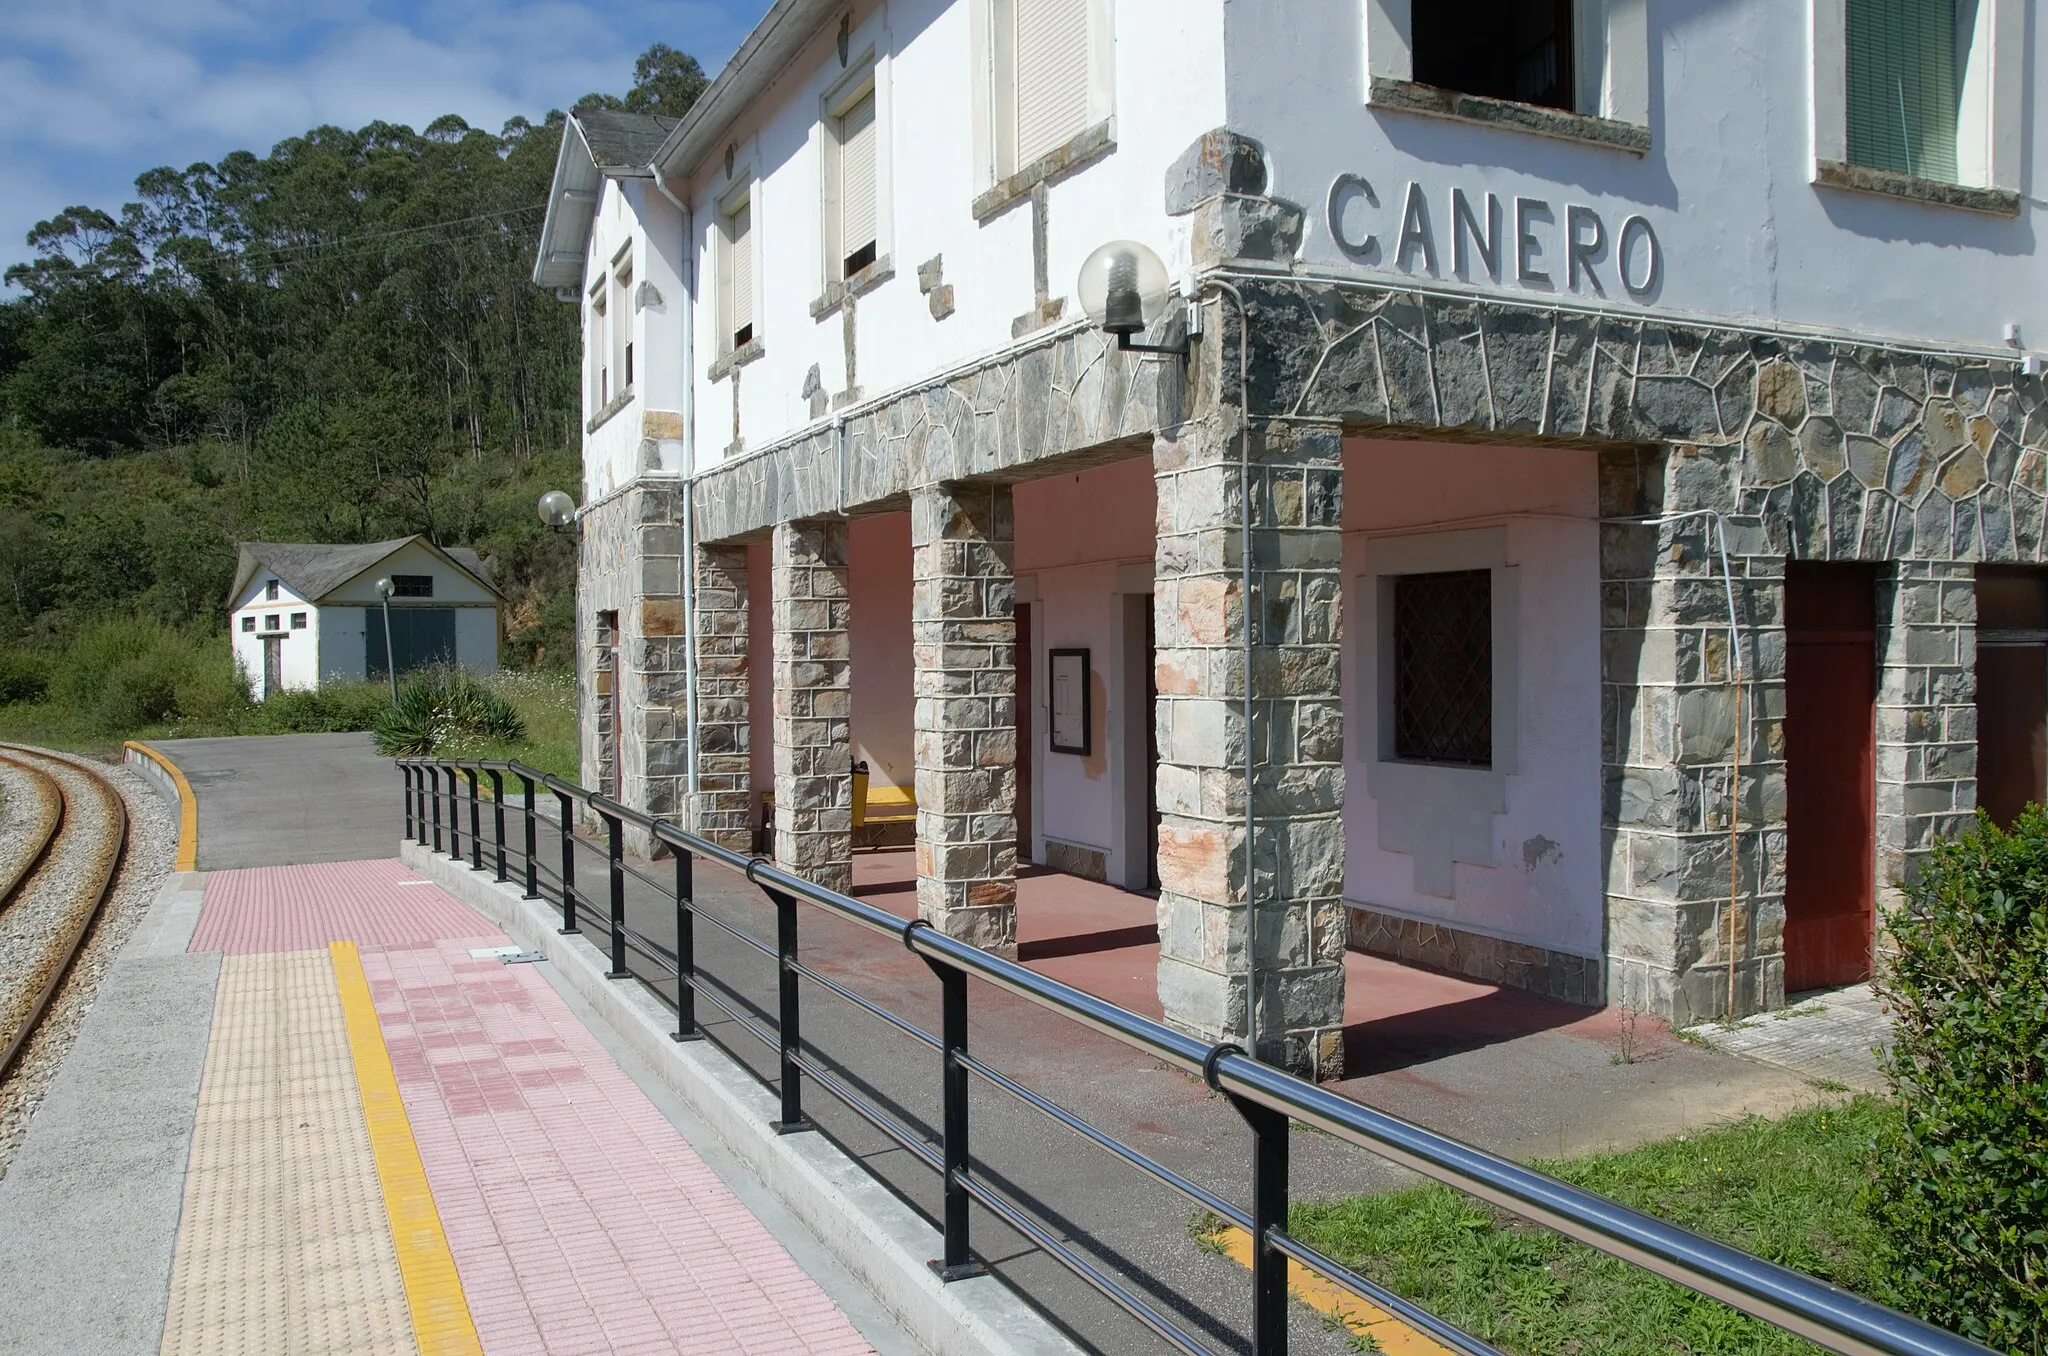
(1906,61)
(1442,635)
(600,345)
(1044,78)
(270,591)
(412,586)
(736,273)
(298,621)
(270,622)
(622,319)
(248,623)
(1500,49)
(852,215)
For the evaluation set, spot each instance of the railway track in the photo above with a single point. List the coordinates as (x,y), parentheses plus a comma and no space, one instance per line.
(57,881)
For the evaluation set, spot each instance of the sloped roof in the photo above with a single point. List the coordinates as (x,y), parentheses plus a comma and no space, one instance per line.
(597,144)
(316,570)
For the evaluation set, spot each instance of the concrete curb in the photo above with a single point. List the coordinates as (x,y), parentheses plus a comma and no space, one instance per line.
(873,1234)
(170,783)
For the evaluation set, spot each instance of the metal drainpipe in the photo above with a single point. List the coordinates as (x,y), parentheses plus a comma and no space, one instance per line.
(684,266)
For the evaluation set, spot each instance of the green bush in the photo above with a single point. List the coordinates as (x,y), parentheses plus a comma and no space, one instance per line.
(121,674)
(1961,1192)
(440,706)
(344,706)
(23,677)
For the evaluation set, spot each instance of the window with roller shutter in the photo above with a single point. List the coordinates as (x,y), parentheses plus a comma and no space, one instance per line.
(857,196)
(736,274)
(1050,43)
(1904,80)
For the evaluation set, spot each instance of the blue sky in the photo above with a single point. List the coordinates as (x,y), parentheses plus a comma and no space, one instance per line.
(94,92)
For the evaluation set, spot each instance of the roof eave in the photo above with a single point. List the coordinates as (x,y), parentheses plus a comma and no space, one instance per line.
(762,59)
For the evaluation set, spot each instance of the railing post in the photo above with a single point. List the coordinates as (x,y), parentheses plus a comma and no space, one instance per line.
(1269,1215)
(532,842)
(568,864)
(790,1031)
(405,776)
(476,822)
(454,816)
(958,1263)
(432,776)
(615,835)
(498,815)
(686,950)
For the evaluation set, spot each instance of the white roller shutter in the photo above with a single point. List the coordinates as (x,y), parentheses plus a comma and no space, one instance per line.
(857,177)
(1051,52)
(740,227)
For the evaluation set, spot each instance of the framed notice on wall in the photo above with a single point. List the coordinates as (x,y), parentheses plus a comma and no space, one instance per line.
(1072,723)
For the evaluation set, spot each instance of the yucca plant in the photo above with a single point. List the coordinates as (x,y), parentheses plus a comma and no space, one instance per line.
(440,705)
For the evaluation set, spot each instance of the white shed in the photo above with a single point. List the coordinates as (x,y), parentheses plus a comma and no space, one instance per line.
(302,615)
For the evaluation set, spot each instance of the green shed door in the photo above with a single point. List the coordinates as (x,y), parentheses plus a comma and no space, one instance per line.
(419,635)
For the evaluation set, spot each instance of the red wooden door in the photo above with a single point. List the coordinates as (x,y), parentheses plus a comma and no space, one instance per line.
(1830,773)
(2012,689)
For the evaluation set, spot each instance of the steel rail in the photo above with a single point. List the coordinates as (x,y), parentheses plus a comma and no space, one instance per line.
(98,893)
(51,793)
(1831,1317)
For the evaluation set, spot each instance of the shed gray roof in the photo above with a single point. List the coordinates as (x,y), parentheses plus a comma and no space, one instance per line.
(316,570)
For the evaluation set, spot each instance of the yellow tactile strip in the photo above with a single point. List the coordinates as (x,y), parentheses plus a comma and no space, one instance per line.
(284,1245)
(440,1313)
(1332,1301)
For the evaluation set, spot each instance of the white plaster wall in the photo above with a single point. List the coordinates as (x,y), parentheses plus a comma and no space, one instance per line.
(1546,885)
(884,700)
(633,210)
(300,656)
(451,585)
(1085,541)
(1727,184)
(1168,90)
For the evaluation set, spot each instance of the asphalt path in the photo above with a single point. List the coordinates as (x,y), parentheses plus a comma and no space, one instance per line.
(285,800)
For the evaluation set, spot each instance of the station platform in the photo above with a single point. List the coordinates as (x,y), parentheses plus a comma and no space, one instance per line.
(353,1126)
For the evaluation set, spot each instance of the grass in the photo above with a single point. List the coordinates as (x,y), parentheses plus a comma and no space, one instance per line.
(546,703)
(1784,1190)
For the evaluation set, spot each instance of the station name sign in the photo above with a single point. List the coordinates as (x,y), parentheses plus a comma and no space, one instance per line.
(1540,245)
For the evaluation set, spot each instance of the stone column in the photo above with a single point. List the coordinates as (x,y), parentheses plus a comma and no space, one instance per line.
(1297,931)
(964,641)
(813,702)
(1926,716)
(1669,724)
(719,808)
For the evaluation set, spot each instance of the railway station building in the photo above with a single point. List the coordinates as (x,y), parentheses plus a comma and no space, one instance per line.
(1547,490)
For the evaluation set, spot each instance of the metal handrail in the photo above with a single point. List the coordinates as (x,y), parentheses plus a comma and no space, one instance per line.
(1827,1315)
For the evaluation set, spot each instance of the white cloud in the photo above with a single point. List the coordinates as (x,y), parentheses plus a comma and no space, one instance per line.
(94,92)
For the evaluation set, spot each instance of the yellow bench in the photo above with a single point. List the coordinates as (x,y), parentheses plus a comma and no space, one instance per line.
(878,808)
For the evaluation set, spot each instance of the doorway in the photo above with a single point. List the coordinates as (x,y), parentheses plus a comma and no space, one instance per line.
(273,666)
(1830,773)
(2012,690)
(1020,660)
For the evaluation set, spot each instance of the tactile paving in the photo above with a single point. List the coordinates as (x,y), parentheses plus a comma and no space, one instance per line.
(284,1247)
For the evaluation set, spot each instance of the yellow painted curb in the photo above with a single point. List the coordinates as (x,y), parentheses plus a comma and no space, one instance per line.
(441,1322)
(1334,1302)
(188,807)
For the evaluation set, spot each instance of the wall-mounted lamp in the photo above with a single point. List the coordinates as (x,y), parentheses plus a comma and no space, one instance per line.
(557,510)
(384,590)
(1123,289)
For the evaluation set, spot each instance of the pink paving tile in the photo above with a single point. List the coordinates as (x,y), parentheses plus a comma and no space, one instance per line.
(599,1228)
(297,908)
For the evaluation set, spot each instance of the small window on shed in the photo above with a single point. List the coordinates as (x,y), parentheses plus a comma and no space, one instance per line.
(248,623)
(412,586)
(298,621)
(270,592)
(1443,667)
(270,623)
(1498,49)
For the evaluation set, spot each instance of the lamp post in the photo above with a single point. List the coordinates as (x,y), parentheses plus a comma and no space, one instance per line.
(390,659)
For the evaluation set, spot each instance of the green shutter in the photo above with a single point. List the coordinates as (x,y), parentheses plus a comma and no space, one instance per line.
(1903,86)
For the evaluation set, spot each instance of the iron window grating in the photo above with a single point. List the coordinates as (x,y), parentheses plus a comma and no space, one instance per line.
(1443,667)
(412,586)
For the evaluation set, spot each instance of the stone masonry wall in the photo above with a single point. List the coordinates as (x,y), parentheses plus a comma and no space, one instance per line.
(1926,715)
(813,702)
(720,809)
(1296,930)
(964,644)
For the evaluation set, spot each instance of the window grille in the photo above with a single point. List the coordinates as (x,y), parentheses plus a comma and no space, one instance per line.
(270,591)
(1443,667)
(412,586)
(298,621)
(1903,89)
(248,623)
(270,622)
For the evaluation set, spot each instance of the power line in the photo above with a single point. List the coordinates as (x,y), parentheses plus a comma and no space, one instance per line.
(351,241)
